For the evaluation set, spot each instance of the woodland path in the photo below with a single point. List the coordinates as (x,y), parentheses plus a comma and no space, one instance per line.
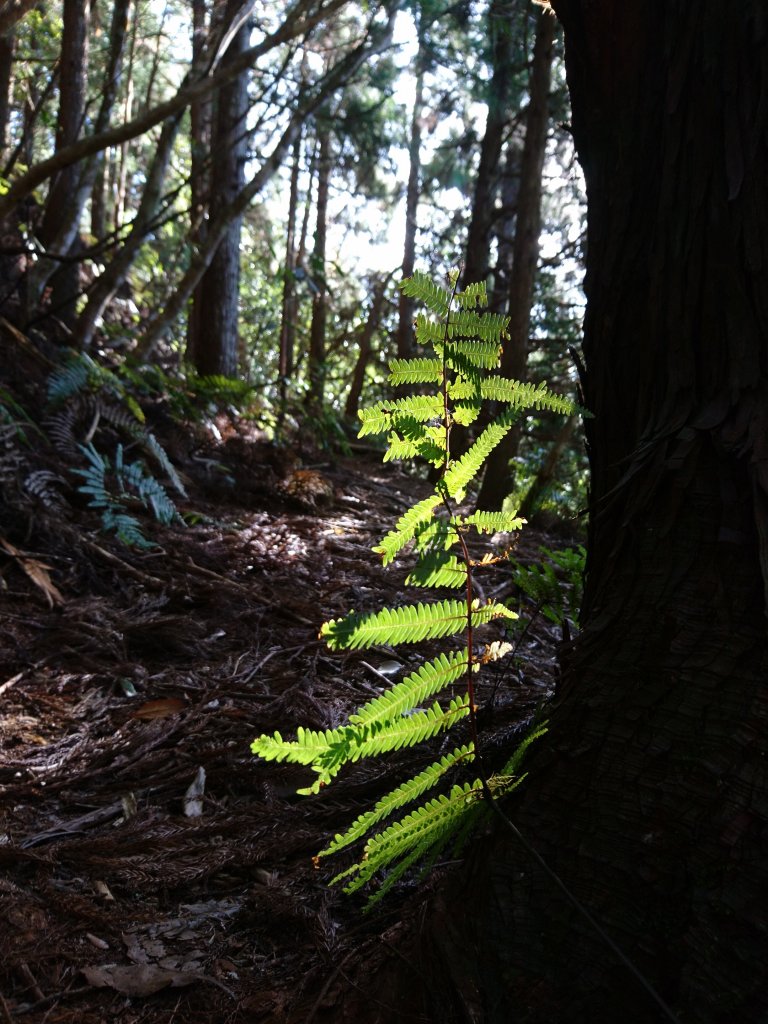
(120,900)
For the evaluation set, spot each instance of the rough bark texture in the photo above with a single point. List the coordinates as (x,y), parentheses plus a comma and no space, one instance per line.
(483,204)
(649,797)
(215,347)
(316,364)
(525,252)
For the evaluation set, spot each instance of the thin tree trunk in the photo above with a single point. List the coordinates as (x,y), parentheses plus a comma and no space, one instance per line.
(316,361)
(545,474)
(72,86)
(365,348)
(7,42)
(200,113)
(216,347)
(476,260)
(288,308)
(497,480)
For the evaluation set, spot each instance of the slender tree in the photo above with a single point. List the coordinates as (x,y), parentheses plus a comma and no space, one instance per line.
(525,251)
(316,362)
(213,340)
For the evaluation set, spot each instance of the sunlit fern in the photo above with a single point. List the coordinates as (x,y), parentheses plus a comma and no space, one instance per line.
(463,347)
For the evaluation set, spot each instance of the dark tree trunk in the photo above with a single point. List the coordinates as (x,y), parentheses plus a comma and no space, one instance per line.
(486,186)
(199,179)
(72,88)
(288,308)
(545,474)
(6,77)
(525,252)
(215,349)
(364,355)
(316,362)
(649,796)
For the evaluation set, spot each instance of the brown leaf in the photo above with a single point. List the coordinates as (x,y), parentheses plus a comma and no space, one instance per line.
(37,572)
(140,980)
(159,708)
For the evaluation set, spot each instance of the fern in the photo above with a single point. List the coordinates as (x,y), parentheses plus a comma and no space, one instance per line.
(463,346)
(131,483)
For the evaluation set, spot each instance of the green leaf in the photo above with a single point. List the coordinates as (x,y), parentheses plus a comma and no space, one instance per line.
(406,528)
(415,371)
(407,624)
(461,473)
(438,569)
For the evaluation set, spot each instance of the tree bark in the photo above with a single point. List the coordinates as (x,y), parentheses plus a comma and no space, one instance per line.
(649,796)
(72,87)
(215,349)
(288,307)
(477,256)
(316,361)
(7,42)
(525,253)
(352,403)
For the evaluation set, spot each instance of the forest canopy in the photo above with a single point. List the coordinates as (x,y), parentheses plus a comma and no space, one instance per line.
(235,189)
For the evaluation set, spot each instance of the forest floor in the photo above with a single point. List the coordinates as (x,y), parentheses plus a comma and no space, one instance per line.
(124,898)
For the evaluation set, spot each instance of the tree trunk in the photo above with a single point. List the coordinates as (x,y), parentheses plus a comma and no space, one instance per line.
(72,88)
(6,78)
(649,796)
(525,253)
(288,308)
(215,349)
(483,205)
(545,474)
(316,362)
(200,113)
(364,355)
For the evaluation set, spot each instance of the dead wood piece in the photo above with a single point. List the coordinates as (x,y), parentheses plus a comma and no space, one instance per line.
(76,825)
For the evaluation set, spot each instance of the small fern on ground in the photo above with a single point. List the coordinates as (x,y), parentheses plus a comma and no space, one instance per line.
(463,346)
(113,487)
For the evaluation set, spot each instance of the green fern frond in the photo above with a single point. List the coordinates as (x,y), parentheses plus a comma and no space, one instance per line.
(465,356)
(398,449)
(327,752)
(472,296)
(127,529)
(466,323)
(461,473)
(415,371)
(385,415)
(513,764)
(428,680)
(525,396)
(417,831)
(406,527)
(160,455)
(438,569)
(435,536)
(428,331)
(492,522)
(407,624)
(397,798)
(420,286)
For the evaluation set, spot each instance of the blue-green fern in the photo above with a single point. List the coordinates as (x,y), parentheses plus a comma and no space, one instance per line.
(463,347)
